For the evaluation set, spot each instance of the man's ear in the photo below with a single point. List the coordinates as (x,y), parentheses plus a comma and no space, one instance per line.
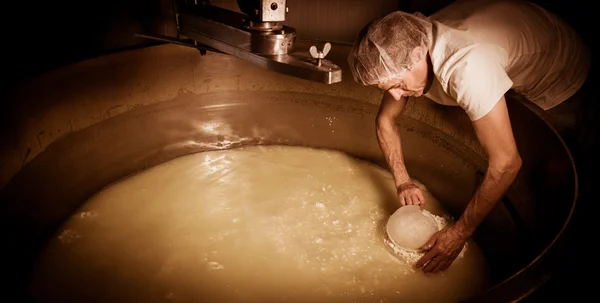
(417,54)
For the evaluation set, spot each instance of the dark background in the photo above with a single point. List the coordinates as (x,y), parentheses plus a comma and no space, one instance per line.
(43,35)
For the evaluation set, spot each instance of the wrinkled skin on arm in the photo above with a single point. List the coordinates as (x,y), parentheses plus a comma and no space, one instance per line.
(495,135)
(389,141)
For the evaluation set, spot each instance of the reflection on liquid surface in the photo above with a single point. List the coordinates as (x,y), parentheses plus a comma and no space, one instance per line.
(257,224)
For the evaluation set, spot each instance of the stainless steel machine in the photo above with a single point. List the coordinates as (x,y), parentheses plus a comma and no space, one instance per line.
(257,35)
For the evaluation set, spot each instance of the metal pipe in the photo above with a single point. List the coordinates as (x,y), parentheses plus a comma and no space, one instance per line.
(178,41)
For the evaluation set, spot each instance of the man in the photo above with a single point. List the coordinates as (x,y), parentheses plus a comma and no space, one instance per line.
(468,54)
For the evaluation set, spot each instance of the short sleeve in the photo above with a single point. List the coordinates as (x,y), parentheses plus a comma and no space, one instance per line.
(477,82)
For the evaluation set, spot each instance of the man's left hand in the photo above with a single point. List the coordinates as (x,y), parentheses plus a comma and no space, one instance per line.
(441,250)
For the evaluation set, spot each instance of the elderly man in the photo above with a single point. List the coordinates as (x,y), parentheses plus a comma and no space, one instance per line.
(469,54)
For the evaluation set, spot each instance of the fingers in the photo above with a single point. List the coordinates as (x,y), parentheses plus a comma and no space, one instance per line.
(417,201)
(425,259)
(412,197)
(445,264)
(433,262)
(414,200)
(421,199)
(429,244)
(408,200)
(433,265)
(440,252)
(448,261)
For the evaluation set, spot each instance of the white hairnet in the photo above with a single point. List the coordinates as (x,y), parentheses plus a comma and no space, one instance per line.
(383,47)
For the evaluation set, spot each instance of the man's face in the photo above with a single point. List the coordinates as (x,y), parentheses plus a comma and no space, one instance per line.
(411,83)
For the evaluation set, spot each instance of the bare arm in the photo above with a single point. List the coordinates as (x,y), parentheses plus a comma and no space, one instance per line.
(391,146)
(495,135)
(389,137)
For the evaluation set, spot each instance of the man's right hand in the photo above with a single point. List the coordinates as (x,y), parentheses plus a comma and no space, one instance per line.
(410,194)
(389,141)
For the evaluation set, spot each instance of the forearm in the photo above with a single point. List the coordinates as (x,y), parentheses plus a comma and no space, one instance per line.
(494,185)
(389,141)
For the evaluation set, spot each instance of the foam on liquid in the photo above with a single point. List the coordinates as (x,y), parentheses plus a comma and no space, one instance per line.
(257,224)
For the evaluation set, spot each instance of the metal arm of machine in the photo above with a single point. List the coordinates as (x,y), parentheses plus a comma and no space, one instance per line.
(256,36)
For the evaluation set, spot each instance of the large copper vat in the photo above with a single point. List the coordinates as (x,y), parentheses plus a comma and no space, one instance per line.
(84,126)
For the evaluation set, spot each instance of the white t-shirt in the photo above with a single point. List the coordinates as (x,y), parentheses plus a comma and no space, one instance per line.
(482,48)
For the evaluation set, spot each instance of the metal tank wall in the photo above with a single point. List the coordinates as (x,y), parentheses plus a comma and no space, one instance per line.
(77,102)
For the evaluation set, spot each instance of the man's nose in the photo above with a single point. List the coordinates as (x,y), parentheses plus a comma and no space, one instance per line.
(397,93)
